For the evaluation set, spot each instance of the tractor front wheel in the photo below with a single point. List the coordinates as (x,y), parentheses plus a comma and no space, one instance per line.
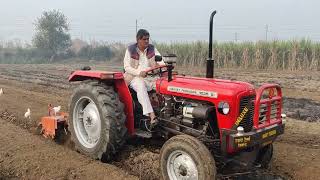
(97,120)
(185,157)
(264,156)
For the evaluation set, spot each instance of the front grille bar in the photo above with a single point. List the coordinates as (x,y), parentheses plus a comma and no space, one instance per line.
(267,109)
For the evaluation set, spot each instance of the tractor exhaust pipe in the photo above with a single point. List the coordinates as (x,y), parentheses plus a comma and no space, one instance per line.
(210,61)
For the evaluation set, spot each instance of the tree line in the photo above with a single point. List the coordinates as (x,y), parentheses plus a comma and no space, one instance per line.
(51,43)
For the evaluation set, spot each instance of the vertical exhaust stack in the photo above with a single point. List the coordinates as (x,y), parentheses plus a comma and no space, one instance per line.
(210,61)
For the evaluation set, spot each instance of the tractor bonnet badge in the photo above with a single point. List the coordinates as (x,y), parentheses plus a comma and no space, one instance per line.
(195,92)
(241,116)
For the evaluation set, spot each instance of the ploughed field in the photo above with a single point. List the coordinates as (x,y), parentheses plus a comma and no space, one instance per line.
(26,155)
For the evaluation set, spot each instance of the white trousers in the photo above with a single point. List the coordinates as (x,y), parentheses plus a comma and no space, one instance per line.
(142,86)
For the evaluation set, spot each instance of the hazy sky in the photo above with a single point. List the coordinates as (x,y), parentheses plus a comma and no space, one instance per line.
(167,20)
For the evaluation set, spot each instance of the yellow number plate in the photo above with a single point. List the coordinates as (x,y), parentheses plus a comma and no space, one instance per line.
(242,141)
(269,134)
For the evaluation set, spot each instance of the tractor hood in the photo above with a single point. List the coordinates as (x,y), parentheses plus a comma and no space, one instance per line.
(203,88)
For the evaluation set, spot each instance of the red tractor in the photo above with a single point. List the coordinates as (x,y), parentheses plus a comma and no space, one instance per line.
(202,118)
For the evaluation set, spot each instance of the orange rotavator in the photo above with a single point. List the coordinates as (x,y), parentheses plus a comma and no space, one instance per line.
(55,125)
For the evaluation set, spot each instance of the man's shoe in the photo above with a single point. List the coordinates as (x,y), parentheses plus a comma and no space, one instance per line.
(147,125)
(154,123)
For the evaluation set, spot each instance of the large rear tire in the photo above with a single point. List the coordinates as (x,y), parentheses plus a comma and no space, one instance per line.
(97,120)
(185,157)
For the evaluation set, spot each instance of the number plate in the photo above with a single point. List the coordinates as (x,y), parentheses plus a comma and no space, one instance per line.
(242,142)
(269,134)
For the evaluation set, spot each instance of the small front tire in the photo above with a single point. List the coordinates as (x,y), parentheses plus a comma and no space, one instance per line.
(264,156)
(185,157)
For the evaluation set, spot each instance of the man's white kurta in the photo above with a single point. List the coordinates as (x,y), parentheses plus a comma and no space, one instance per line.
(140,84)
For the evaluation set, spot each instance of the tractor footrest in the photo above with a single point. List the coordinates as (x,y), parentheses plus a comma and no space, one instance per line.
(143,134)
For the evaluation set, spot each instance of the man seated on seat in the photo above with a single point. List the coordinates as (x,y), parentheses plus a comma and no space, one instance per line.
(138,58)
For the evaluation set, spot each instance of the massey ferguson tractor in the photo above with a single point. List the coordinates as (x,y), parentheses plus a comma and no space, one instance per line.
(204,120)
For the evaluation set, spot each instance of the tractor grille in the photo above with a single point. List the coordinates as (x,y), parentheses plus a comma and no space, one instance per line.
(247,121)
(275,110)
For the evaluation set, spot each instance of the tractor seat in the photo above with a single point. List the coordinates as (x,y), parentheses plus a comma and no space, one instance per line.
(134,93)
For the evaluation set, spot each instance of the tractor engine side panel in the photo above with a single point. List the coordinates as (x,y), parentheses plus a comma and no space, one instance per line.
(200,89)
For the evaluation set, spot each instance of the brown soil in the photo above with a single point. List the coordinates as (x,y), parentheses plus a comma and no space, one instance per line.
(25,155)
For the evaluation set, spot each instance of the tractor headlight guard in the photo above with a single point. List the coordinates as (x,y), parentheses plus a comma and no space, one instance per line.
(223,108)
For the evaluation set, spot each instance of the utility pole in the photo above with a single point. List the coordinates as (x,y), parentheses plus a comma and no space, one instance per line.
(136,26)
(267,30)
(235,36)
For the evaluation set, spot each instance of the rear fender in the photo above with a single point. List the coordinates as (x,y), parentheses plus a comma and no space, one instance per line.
(120,86)
(100,75)
(126,99)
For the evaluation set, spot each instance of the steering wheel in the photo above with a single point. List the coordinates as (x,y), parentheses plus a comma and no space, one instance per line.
(159,70)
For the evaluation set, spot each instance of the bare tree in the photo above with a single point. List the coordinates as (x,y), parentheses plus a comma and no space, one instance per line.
(52,33)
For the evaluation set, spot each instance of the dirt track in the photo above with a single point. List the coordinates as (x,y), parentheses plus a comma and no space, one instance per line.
(24,155)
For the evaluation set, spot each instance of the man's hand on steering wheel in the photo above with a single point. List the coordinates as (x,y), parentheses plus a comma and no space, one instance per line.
(159,70)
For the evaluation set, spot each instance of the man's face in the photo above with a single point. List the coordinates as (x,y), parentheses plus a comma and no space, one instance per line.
(143,42)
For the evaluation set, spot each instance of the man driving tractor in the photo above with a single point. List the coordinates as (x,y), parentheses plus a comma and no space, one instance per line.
(140,57)
(203,119)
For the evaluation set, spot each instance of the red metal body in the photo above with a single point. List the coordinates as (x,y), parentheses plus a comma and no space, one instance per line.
(83,75)
(125,97)
(223,90)
(226,90)
(268,102)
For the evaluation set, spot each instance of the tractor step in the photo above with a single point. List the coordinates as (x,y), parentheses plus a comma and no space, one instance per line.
(143,134)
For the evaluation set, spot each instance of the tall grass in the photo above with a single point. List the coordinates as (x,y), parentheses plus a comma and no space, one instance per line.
(278,55)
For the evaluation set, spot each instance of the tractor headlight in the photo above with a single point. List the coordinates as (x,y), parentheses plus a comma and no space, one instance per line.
(223,108)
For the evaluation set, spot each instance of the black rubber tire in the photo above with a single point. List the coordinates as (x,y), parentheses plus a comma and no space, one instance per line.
(264,156)
(195,149)
(111,109)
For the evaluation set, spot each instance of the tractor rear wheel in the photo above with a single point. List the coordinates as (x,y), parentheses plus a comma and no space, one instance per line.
(185,157)
(97,120)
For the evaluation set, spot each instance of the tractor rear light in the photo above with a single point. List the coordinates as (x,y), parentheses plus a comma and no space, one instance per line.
(223,108)
(106,76)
